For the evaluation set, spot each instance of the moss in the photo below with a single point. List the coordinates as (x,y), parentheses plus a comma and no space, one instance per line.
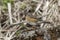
(4,2)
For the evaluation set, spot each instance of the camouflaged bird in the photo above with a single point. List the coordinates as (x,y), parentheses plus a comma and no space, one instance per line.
(31,19)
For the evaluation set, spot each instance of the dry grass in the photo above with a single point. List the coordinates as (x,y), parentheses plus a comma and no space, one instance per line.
(21,20)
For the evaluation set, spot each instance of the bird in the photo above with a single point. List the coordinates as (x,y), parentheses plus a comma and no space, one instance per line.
(33,20)
(29,19)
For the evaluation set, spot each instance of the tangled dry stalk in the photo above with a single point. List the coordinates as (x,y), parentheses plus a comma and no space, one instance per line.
(30,20)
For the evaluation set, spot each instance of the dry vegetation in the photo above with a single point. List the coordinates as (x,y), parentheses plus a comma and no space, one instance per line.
(29,19)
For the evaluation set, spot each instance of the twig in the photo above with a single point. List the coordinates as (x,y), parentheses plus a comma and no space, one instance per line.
(9,10)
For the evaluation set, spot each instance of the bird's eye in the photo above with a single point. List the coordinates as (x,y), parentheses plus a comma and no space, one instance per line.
(41,10)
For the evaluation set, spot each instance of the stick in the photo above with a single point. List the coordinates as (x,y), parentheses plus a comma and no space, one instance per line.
(9,10)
